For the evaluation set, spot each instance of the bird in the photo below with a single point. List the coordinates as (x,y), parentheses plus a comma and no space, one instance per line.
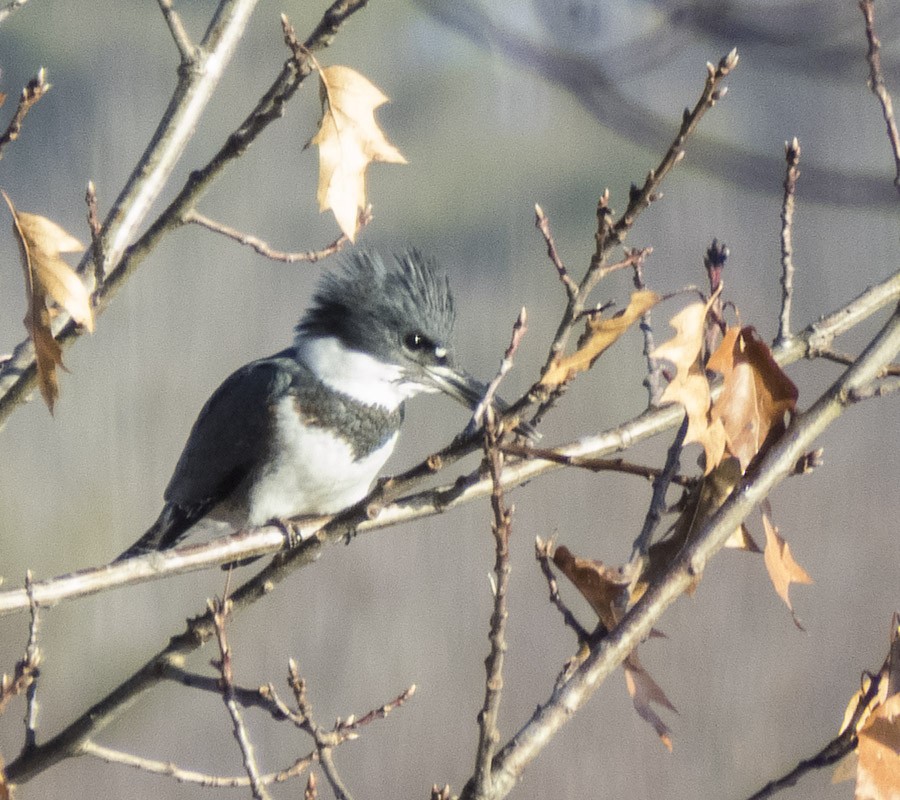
(307,430)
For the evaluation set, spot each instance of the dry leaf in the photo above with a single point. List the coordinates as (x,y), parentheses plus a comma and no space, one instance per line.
(690,387)
(878,770)
(756,393)
(704,500)
(48,278)
(783,570)
(349,139)
(605,588)
(599,335)
(644,691)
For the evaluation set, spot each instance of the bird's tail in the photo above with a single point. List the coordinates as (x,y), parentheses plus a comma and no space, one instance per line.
(169,529)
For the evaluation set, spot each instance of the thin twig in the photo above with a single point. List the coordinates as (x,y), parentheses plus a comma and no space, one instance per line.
(653,381)
(488,732)
(181,775)
(264,249)
(182,39)
(26,671)
(830,354)
(34,90)
(543,225)
(220,610)
(520,328)
(325,741)
(542,551)
(612,233)
(875,389)
(93,219)
(593,464)
(877,85)
(32,660)
(792,172)
(661,484)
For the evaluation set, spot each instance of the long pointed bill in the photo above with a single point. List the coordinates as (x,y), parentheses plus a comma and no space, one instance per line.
(456,383)
(469,391)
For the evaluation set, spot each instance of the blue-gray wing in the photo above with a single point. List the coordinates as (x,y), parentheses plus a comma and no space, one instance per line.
(227,444)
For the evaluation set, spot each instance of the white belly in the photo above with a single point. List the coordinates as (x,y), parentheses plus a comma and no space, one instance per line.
(315,473)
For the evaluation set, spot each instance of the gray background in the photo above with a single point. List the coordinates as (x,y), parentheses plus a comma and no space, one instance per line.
(486,136)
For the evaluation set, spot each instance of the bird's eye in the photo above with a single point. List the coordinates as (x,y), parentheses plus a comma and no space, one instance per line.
(418,342)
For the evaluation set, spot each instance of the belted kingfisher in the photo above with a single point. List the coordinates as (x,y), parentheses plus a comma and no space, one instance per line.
(307,430)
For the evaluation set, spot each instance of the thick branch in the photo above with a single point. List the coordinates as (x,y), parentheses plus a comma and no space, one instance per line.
(374,513)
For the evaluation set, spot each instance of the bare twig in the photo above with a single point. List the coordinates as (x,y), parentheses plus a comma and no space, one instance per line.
(34,90)
(542,551)
(26,671)
(520,328)
(325,741)
(875,389)
(830,354)
(32,662)
(264,249)
(488,732)
(653,381)
(183,41)
(593,464)
(93,219)
(792,172)
(181,775)
(877,85)
(661,484)
(543,225)
(612,233)
(220,610)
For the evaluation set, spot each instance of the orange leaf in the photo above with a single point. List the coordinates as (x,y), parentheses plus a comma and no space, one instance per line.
(48,278)
(349,139)
(644,691)
(690,387)
(605,588)
(878,771)
(599,335)
(783,570)
(756,393)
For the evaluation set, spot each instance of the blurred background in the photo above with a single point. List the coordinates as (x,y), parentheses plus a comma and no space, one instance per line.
(496,106)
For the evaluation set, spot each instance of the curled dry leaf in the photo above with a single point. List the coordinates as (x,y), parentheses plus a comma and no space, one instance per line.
(607,589)
(756,393)
(689,387)
(644,691)
(48,278)
(783,569)
(349,139)
(599,335)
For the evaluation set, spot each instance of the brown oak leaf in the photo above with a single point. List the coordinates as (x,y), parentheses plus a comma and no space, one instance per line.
(598,336)
(48,278)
